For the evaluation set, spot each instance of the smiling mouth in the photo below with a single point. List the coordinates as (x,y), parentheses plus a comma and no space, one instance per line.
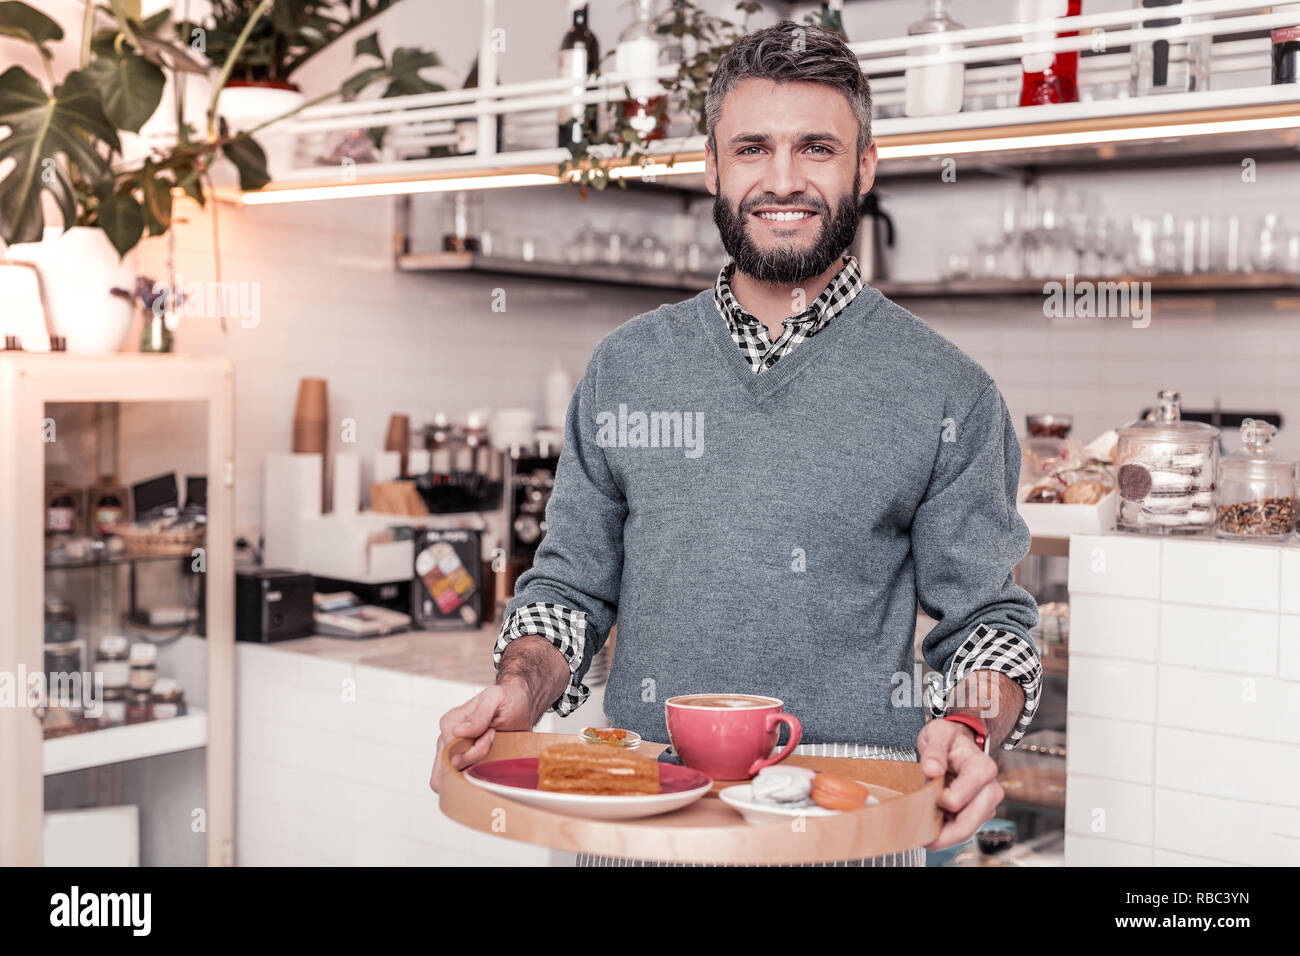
(793,215)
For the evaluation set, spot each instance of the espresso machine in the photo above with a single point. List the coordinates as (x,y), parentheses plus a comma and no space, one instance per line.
(529,479)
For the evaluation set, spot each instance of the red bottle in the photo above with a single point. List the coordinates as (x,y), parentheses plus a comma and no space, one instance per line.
(1058,82)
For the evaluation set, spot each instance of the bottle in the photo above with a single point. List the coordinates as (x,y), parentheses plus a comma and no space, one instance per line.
(143,658)
(1169,66)
(168,699)
(467,126)
(1049,77)
(935,90)
(638,52)
(112,662)
(139,706)
(579,61)
(1286,55)
(678,50)
(831,17)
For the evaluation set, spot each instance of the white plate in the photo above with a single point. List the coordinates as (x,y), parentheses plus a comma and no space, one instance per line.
(740,798)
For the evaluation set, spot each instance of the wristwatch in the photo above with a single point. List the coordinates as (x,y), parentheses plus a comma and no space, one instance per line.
(975,724)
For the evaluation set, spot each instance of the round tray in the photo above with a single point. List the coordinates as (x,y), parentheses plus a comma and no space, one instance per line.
(708,831)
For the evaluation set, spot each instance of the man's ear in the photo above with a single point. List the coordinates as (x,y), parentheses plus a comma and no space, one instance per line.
(867,168)
(710,169)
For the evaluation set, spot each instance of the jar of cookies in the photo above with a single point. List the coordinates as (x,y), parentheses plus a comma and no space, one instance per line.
(1166,471)
(1257,490)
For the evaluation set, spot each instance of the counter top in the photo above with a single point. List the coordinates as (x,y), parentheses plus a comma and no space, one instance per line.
(464,656)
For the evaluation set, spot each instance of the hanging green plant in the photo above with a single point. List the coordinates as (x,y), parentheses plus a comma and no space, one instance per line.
(617,140)
(63,134)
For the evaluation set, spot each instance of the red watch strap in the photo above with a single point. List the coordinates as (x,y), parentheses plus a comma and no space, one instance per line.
(974,723)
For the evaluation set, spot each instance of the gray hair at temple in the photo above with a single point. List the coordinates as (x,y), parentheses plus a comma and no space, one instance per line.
(789,52)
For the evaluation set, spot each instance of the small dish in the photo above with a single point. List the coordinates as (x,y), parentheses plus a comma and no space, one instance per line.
(741,799)
(629,741)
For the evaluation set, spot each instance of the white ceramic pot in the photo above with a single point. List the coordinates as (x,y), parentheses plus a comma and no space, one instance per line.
(244,107)
(79,268)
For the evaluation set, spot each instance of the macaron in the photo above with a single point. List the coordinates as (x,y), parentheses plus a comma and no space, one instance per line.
(786,786)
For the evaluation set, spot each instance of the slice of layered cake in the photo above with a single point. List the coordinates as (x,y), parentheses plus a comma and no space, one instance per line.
(595,769)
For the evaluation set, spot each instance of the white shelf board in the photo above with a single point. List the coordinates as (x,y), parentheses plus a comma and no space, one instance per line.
(97,748)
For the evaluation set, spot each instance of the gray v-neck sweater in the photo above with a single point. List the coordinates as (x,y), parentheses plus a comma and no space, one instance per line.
(772,534)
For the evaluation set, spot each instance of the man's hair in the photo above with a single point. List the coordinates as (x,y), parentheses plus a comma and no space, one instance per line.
(789,52)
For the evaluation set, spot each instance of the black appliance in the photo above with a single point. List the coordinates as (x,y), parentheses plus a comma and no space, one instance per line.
(273,605)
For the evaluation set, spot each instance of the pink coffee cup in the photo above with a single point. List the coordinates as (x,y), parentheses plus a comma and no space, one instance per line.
(729,736)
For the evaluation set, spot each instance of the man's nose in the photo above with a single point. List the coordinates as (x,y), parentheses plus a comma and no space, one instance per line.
(784,176)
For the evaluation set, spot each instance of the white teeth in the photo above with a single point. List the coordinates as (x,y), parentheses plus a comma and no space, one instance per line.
(783,216)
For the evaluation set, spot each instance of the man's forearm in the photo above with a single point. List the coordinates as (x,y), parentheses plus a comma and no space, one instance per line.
(534,662)
(993,697)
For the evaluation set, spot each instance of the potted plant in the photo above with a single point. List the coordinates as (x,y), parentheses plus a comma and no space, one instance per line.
(65,138)
(277,45)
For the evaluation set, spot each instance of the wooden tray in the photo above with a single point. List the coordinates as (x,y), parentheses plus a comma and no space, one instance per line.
(708,831)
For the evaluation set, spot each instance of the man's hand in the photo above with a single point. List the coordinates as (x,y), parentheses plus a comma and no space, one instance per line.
(532,675)
(506,706)
(971,793)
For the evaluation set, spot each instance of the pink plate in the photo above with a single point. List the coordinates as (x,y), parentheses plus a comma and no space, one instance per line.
(517,779)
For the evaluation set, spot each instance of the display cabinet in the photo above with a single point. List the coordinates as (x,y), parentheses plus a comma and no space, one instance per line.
(116,610)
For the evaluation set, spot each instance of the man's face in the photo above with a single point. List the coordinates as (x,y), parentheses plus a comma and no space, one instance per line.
(787,178)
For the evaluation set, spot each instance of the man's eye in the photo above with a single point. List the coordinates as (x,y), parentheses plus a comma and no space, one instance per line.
(818,146)
(745,150)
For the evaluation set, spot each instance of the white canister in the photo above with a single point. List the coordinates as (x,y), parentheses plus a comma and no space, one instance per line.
(558,392)
(79,270)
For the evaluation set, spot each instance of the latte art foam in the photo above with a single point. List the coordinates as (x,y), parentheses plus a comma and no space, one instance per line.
(736,701)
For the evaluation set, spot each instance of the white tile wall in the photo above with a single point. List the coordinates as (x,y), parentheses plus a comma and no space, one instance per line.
(1221,574)
(1166,858)
(1291,581)
(331,305)
(1232,830)
(1237,768)
(333,766)
(1114,626)
(1203,738)
(1264,708)
(1089,851)
(1102,687)
(1288,665)
(1119,749)
(1108,809)
(1219,639)
(1115,565)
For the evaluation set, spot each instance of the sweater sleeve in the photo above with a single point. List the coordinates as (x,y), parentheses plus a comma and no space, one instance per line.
(967,536)
(579,564)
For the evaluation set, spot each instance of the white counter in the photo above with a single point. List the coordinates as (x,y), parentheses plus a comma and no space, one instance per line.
(1184,702)
(335,744)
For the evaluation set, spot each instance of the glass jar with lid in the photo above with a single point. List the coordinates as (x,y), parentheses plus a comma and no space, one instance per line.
(935,89)
(1166,470)
(1257,490)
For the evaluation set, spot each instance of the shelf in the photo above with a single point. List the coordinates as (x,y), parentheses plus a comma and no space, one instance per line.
(1209,282)
(127,742)
(1031,807)
(116,560)
(473,262)
(1140,132)
(1049,545)
(595,272)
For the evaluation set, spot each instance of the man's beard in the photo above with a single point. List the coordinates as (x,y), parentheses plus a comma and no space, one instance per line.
(786,264)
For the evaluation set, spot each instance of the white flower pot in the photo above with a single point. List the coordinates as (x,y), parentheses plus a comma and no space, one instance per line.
(79,268)
(244,107)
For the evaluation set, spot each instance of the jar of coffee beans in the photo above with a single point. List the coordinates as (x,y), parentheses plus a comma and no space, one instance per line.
(1257,490)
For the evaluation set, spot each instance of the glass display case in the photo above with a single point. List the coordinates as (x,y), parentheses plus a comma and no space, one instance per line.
(116,610)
